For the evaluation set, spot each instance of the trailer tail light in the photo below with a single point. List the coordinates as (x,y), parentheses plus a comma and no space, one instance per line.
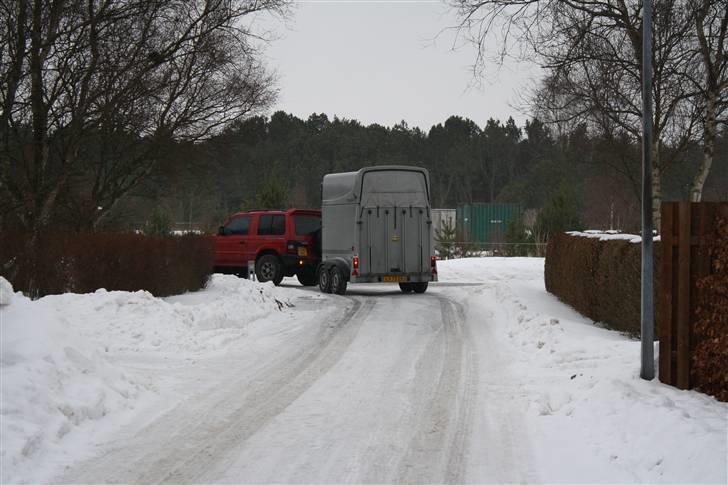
(433,264)
(355,264)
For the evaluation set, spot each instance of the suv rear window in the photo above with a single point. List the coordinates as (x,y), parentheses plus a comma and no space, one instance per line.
(272,225)
(306,224)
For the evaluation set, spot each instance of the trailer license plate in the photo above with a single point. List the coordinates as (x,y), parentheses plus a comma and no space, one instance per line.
(395,279)
(302,252)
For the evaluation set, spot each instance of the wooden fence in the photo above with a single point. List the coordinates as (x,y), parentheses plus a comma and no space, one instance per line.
(688,230)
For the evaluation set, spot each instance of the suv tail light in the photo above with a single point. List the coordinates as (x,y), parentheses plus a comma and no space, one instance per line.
(433,264)
(292,246)
(355,264)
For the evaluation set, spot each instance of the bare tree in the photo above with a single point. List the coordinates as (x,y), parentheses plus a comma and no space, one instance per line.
(592,52)
(710,79)
(96,89)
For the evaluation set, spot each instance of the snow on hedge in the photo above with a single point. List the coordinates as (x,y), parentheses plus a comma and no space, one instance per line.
(610,236)
(63,358)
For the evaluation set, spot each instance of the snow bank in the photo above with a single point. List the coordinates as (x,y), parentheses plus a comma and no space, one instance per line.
(592,417)
(62,360)
(53,380)
(191,323)
(6,292)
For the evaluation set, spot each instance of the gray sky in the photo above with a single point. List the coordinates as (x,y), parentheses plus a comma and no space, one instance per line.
(382,62)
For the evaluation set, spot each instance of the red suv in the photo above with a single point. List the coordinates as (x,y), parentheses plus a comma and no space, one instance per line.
(281,243)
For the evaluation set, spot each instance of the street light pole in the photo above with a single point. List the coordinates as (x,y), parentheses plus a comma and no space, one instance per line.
(647,325)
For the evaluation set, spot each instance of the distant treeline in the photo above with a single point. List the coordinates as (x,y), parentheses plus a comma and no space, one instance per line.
(265,162)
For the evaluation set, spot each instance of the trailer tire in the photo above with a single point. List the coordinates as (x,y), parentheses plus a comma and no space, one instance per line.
(420,287)
(324,280)
(406,287)
(307,276)
(338,281)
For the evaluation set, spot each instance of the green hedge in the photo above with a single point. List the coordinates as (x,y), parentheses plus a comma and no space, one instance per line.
(82,263)
(600,279)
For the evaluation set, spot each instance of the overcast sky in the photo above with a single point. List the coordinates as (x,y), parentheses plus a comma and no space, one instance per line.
(383,62)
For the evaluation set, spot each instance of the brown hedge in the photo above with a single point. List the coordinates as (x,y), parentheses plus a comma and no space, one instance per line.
(81,263)
(600,279)
(709,369)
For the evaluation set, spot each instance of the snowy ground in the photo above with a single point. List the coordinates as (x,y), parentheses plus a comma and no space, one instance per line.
(485,378)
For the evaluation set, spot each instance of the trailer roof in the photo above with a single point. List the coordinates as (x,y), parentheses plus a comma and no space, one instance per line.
(344,186)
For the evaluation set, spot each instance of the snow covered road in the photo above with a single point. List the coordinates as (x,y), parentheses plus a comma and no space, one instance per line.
(382,391)
(485,378)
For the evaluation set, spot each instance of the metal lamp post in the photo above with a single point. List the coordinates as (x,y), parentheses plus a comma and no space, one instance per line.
(647,370)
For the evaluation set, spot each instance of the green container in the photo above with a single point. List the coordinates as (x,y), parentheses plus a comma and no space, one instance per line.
(485,222)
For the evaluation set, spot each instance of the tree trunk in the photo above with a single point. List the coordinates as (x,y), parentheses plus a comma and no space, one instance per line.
(656,186)
(39,120)
(709,129)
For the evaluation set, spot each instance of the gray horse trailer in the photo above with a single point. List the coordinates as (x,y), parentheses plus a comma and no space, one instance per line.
(376,227)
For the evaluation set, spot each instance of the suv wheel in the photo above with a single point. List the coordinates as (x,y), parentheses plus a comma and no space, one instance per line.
(324,280)
(268,268)
(338,281)
(406,287)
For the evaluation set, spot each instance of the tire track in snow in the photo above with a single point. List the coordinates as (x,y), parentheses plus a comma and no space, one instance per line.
(446,378)
(181,445)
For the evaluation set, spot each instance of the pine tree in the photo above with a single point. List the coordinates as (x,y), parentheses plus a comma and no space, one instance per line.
(517,238)
(273,194)
(560,213)
(445,240)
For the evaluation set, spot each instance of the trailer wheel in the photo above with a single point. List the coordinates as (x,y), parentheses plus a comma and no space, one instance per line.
(324,280)
(307,276)
(338,281)
(406,287)
(420,287)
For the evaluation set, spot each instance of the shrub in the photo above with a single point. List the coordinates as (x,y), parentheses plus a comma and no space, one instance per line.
(709,369)
(81,263)
(618,275)
(600,279)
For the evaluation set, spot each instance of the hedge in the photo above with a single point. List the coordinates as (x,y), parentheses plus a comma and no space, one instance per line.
(600,279)
(82,263)
(709,366)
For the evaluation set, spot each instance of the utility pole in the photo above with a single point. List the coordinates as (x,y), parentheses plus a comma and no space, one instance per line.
(647,370)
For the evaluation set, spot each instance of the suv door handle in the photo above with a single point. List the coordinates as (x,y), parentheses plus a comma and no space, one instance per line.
(242,242)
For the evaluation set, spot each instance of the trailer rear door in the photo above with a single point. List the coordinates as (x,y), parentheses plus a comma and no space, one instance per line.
(394,223)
